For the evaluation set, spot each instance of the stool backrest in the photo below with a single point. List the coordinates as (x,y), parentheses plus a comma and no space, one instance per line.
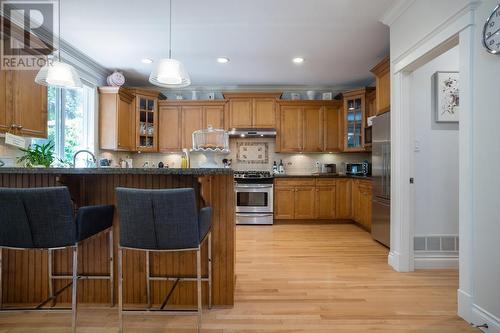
(36,218)
(158,219)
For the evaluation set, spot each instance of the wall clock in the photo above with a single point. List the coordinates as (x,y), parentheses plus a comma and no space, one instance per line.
(491,32)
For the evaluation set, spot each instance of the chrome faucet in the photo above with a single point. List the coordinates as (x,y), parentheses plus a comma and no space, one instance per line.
(94,159)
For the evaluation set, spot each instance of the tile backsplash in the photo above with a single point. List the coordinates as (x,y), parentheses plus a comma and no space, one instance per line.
(294,163)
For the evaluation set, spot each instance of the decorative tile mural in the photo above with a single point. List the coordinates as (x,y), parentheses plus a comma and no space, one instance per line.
(252,152)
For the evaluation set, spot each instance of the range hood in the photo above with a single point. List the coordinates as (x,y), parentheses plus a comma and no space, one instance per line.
(252,133)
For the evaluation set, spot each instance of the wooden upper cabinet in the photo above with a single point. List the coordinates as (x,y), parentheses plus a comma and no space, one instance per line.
(240,113)
(332,119)
(169,129)
(313,140)
(308,126)
(192,120)
(291,129)
(371,104)
(29,104)
(5,114)
(116,119)
(354,119)
(213,116)
(146,121)
(382,72)
(252,110)
(264,113)
(178,120)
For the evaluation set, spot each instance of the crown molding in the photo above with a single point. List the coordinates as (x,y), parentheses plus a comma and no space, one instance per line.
(395,11)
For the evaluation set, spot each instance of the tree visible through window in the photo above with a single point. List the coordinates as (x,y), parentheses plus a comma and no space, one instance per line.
(70,120)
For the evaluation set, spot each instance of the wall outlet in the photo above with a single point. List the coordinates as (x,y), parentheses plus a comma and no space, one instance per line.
(417,146)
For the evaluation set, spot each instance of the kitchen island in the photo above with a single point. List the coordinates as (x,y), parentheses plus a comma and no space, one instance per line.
(25,274)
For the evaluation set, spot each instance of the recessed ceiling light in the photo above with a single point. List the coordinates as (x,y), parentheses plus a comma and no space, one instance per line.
(222,60)
(147,61)
(298,60)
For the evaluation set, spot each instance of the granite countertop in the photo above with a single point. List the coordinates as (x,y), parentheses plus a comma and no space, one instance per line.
(120,171)
(321,175)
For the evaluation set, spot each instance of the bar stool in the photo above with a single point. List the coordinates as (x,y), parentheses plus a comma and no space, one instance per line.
(42,219)
(163,221)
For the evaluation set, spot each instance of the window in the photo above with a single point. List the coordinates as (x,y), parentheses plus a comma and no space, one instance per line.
(70,121)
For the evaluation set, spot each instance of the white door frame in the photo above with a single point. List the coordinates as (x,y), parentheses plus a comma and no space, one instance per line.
(458,30)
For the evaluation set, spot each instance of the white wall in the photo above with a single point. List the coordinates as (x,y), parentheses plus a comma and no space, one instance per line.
(486,184)
(436,162)
(421,18)
(423,28)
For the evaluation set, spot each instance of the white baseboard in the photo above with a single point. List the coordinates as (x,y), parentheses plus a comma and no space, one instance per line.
(392,260)
(425,261)
(481,316)
(465,302)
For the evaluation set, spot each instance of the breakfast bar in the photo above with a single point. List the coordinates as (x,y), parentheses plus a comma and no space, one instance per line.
(25,273)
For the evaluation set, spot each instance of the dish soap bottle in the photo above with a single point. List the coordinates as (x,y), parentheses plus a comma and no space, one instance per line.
(281,168)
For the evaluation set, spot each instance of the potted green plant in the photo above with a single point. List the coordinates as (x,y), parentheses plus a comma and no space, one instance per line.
(38,156)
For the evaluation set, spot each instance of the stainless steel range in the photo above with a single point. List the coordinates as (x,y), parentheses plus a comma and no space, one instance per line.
(254,197)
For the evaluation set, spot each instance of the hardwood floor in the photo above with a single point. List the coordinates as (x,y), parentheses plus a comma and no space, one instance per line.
(298,278)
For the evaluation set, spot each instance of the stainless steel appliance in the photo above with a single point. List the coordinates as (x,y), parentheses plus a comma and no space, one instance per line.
(329,168)
(253,132)
(358,169)
(381,171)
(254,197)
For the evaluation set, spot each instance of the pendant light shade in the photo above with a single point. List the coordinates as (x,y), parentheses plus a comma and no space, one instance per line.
(170,73)
(58,74)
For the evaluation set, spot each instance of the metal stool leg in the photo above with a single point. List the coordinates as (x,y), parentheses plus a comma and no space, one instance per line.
(120,291)
(111,269)
(148,286)
(1,272)
(51,279)
(198,285)
(209,269)
(74,293)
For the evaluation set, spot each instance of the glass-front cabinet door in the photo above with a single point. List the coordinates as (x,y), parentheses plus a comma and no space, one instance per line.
(147,123)
(354,115)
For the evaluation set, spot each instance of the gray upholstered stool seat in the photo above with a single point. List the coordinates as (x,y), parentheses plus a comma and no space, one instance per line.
(42,218)
(159,221)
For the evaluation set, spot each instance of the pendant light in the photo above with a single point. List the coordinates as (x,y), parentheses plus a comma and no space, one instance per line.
(57,73)
(170,73)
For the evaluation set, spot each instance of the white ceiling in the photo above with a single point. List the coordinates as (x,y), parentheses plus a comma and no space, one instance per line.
(339,39)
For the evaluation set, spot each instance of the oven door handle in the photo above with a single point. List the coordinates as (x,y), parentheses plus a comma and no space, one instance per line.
(254,215)
(254,186)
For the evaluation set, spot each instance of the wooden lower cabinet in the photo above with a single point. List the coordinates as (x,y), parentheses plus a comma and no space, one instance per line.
(344,199)
(326,197)
(284,203)
(362,202)
(323,199)
(304,203)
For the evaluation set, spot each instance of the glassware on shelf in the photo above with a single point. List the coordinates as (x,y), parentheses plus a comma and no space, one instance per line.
(210,142)
(210,139)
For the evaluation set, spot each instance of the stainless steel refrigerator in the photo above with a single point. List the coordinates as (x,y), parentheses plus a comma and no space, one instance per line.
(381,172)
